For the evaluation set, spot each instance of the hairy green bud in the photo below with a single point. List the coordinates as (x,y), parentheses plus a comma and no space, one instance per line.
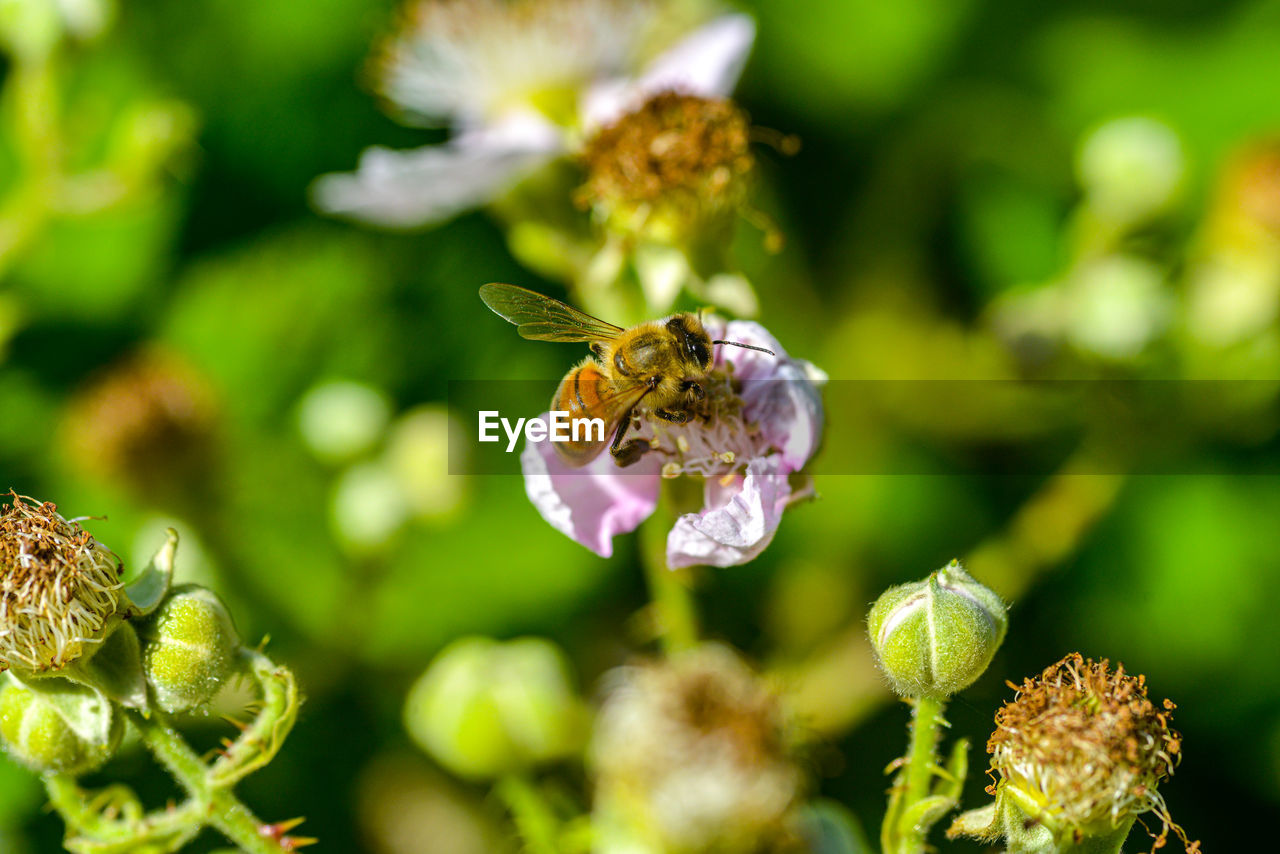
(37,732)
(935,637)
(190,648)
(484,708)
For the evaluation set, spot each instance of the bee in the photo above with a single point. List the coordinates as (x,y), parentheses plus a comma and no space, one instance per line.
(658,367)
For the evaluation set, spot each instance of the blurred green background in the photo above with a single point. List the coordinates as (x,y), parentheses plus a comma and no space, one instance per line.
(937,181)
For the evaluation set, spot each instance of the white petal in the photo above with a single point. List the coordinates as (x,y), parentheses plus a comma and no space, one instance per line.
(737,525)
(402,189)
(706,62)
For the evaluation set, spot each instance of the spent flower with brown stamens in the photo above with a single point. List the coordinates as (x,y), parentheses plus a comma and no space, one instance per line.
(676,149)
(693,753)
(60,589)
(149,420)
(1079,753)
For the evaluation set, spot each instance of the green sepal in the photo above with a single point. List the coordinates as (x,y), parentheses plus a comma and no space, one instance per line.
(147,591)
(978,824)
(925,813)
(115,668)
(86,710)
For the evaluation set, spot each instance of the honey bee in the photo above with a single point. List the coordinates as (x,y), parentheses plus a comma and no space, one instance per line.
(658,367)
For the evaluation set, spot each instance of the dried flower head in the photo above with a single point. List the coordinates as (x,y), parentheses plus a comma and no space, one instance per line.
(678,151)
(59,588)
(693,753)
(1086,747)
(148,420)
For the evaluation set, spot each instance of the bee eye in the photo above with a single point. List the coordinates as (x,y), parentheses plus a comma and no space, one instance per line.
(700,353)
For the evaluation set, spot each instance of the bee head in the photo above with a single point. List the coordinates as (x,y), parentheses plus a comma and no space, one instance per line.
(693,344)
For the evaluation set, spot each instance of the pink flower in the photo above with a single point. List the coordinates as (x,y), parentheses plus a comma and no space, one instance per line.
(765,422)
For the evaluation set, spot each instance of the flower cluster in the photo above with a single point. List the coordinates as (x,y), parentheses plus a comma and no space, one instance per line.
(759,424)
(85,654)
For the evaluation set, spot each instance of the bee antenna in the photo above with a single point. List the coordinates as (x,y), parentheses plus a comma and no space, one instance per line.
(746,346)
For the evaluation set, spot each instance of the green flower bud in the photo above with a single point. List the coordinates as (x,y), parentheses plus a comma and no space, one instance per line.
(484,708)
(935,637)
(36,733)
(190,648)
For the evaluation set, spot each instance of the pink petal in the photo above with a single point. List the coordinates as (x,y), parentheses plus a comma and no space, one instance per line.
(590,504)
(778,392)
(739,522)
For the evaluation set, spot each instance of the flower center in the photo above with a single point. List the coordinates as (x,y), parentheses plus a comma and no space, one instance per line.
(716,440)
(675,148)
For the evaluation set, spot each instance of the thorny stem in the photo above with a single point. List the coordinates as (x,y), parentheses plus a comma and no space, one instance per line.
(114,819)
(220,807)
(921,760)
(914,782)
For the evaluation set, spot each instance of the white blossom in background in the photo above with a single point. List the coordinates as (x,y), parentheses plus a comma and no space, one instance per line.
(519,84)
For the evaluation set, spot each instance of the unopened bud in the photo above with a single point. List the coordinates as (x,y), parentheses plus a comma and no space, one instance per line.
(935,637)
(484,708)
(190,646)
(36,733)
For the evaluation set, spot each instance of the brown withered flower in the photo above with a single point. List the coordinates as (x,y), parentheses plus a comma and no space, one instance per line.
(693,753)
(148,421)
(1078,754)
(60,591)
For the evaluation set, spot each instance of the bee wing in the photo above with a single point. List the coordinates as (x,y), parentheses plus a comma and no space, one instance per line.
(542,318)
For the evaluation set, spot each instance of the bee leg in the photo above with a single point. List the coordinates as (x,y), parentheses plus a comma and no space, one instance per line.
(630,453)
(694,386)
(675,416)
(625,455)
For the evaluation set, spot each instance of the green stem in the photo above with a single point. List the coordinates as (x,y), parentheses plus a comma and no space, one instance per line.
(537,824)
(127,829)
(914,806)
(674,610)
(922,758)
(222,809)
